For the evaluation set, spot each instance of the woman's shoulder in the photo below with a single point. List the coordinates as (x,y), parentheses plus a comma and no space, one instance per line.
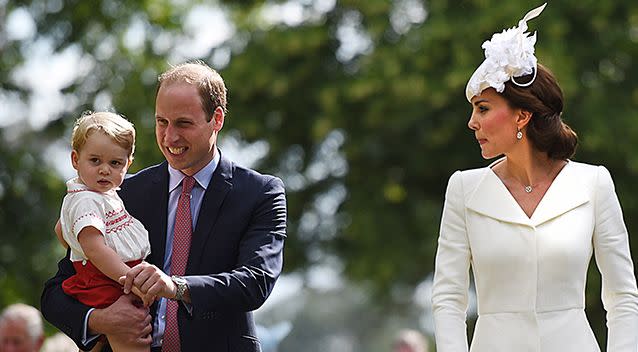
(585,167)
(475,172)
(589,173)
(471,175)
(465,181)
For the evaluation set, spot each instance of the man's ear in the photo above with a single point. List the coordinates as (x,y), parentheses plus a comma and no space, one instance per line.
(218,118)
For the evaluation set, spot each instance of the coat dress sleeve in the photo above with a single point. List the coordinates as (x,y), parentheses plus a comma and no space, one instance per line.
(611,248)
(451,274)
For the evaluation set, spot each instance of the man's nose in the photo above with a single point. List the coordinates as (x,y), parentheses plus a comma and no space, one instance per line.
(170,134)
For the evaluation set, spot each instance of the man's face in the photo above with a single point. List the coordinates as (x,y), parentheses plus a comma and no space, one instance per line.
(14,337)
(183,133)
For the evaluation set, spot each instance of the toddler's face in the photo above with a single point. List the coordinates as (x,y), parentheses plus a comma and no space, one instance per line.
(102,163)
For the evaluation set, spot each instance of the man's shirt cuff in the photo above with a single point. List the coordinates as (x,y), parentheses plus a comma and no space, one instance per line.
(85,338)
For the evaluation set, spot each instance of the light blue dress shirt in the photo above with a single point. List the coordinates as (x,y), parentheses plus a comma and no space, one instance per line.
(175,178)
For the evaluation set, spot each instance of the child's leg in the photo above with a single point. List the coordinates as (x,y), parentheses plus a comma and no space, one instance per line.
(121,346)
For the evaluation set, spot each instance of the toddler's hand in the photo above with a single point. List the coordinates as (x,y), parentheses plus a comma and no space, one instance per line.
(148,300)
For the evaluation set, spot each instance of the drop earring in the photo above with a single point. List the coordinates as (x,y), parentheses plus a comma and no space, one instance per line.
(519,135)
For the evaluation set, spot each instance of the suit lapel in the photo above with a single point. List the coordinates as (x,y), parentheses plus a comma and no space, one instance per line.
(491,198)
(158,210)
(216,192)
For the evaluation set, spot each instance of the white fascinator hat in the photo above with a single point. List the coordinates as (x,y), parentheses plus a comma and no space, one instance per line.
(508,55)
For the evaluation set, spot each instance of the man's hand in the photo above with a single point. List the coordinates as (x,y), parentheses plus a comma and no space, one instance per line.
(126,319)
(150,280)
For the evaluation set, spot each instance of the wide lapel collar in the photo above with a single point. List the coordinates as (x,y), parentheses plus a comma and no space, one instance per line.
(566,193)
(158,210)
(491,198)
(216,192)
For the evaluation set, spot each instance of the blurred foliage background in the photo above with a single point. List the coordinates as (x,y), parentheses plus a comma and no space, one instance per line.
(358,106)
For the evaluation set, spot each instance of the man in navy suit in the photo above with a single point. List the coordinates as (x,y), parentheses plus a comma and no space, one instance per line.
(238,231)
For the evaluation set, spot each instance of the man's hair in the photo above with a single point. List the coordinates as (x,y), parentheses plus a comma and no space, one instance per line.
(211,87)
(26,314)
(119,129)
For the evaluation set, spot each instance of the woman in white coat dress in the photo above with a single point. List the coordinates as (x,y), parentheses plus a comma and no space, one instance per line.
(528,224)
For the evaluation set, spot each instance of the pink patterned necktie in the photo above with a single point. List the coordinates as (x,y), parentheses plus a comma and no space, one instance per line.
(182,233)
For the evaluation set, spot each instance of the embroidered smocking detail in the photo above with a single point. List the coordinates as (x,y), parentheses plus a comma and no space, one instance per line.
(83,217)
(121,226)
(122,216)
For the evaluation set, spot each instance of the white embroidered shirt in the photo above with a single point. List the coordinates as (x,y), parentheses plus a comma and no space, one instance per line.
(123,233)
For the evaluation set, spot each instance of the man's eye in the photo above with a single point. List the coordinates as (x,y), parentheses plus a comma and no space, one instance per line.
(116,163)
(94,160)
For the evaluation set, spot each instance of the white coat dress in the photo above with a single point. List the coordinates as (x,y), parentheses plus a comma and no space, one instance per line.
(530,273)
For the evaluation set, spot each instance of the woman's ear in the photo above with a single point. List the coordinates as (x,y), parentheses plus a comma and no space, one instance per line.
(523,117)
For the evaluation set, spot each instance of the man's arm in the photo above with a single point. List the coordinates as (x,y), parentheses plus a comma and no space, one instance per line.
(122,318)
(64,312)
(259,263)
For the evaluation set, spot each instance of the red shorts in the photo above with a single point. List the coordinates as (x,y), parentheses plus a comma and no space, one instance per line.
(91,287)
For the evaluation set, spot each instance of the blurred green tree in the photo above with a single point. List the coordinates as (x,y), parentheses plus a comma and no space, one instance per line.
(358,105)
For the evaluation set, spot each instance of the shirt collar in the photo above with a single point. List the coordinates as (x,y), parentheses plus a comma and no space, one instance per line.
(202,176)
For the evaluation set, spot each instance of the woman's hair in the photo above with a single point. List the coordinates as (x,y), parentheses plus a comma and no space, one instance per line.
(113,125)
(544,99)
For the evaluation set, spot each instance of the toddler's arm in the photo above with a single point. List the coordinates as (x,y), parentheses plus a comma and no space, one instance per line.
(58,233)
(105,258)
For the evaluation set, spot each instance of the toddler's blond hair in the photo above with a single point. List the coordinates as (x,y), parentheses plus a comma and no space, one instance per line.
(113,125)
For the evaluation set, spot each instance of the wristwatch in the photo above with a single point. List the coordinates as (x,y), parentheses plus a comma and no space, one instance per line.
(181,287)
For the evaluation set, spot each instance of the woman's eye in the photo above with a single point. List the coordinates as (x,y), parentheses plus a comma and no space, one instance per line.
(482,108)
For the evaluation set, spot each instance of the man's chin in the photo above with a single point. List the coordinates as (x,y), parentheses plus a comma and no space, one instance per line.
(178,164)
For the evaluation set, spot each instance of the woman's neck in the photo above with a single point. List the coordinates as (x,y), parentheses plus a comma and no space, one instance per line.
(531,168)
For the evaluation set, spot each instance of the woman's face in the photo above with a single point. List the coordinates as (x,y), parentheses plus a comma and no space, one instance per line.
(494,123)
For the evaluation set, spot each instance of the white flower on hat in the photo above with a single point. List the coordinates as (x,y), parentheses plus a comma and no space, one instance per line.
(508,54)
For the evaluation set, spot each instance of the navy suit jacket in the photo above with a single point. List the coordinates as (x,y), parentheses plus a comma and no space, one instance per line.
(236,256)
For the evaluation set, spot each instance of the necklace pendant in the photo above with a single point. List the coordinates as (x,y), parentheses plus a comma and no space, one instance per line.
(528,189)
